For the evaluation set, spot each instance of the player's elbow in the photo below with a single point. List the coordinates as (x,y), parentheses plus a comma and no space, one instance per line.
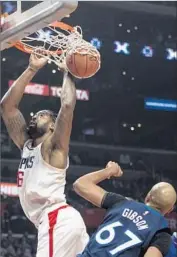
(80,186)
(2,104)
(2,107)
(6,107)
(68,104)
(77,186)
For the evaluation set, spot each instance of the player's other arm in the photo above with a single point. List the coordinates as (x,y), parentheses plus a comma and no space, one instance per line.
(63,125)
(86,186)
(160,245)
(13,118)
(153,251)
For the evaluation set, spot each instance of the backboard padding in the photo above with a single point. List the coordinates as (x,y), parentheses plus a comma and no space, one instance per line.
(37,17)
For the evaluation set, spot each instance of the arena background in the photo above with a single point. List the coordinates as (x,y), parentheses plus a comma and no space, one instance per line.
(127,112)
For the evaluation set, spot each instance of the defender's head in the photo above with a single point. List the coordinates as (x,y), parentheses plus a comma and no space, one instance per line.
(41,123)
(162,197)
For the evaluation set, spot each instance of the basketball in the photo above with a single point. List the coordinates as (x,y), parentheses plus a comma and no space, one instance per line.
(83,64)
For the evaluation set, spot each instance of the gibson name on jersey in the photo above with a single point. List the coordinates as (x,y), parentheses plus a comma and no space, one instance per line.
(136,218)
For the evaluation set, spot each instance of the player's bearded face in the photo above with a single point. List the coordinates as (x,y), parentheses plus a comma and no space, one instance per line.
(38,127)
(36,130)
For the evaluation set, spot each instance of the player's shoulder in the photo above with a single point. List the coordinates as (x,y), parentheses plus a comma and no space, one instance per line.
(27,145)
(111,199)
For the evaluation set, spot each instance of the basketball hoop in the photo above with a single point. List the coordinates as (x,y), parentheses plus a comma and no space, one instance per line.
(61,39)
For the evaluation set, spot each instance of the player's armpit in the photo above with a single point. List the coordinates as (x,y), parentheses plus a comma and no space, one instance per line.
(16,126)
(153,252)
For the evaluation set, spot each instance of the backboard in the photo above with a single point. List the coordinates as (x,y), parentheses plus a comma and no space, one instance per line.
(22,18)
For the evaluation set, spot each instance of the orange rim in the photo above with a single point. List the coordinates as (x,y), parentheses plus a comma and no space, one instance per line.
(28,49)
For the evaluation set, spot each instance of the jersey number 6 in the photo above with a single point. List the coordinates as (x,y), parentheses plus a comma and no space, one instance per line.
(20,178)
(134,240)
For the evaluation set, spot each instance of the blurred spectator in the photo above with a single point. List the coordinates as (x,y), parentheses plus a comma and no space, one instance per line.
(17,246)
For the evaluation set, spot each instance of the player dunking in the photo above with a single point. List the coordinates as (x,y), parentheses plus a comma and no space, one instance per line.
(130,228)
(41,176)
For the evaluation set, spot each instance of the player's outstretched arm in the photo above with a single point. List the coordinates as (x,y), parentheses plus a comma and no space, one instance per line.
(86,186)
(63,125)
(13,118)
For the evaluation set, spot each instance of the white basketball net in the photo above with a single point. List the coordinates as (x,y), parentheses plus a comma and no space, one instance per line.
(68,42)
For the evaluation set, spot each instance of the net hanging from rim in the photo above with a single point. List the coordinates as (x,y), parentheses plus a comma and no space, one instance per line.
(56,41)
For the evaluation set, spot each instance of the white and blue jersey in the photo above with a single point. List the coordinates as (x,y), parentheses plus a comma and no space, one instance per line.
(127,229)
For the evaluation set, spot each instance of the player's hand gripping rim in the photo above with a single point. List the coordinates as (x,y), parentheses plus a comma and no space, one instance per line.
(38,59)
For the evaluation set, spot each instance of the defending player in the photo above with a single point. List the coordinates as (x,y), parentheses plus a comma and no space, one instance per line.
(130,228)
(41,177)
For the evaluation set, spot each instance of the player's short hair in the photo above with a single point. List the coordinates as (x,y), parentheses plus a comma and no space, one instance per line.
(52,114)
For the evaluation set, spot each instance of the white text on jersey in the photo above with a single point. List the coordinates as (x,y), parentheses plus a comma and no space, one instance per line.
(136,218)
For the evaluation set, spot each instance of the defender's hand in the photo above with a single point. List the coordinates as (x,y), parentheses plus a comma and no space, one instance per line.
(115,170)
(36,61)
